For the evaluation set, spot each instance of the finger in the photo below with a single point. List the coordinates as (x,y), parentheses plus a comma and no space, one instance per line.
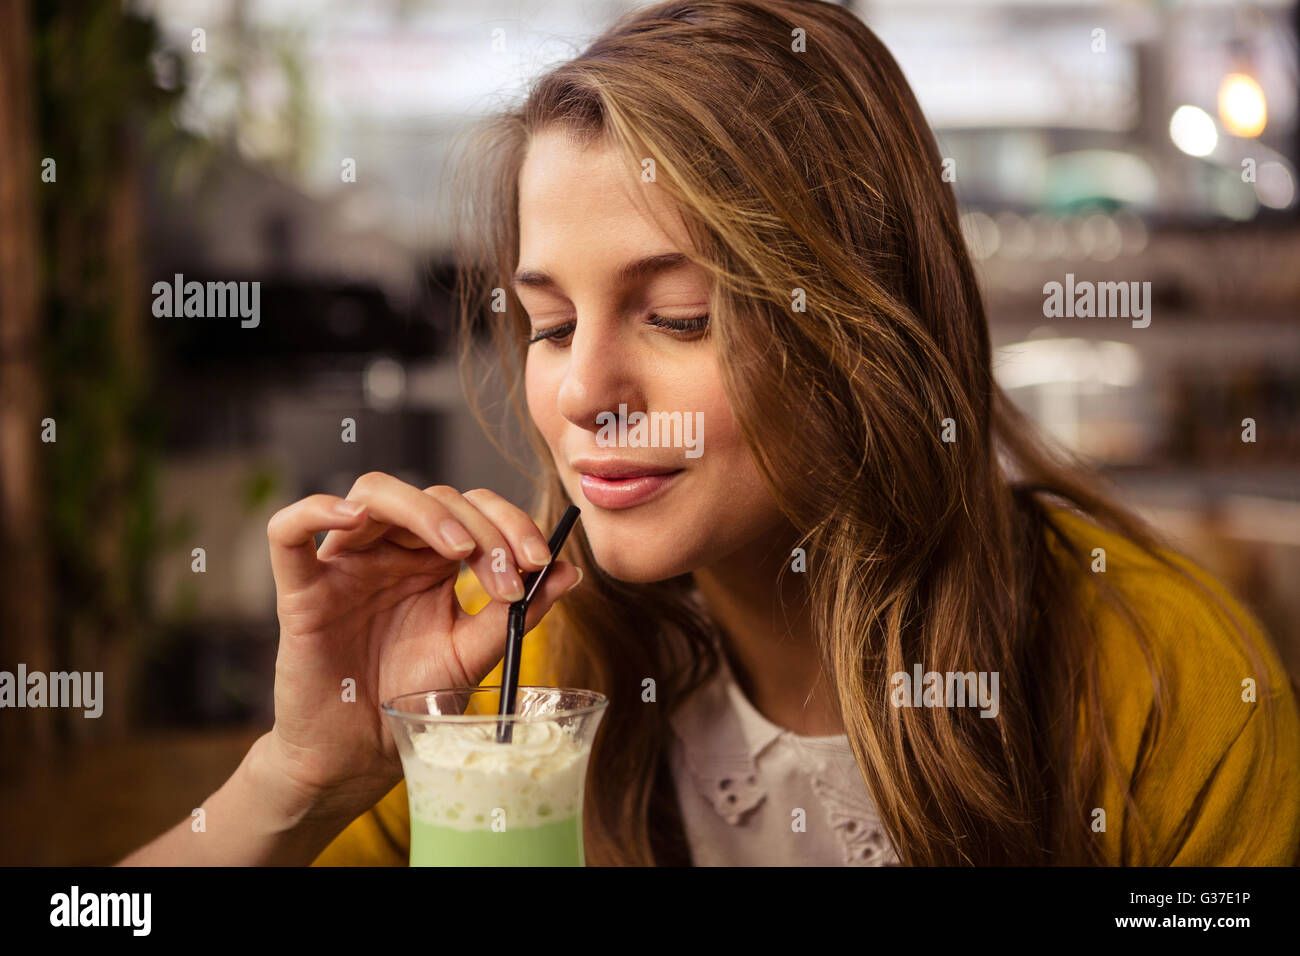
(355,539)
(480,644)
(493,559)
(526,539)
(383,560)
(390,503)
(362,536)
(358,538)
(292,531)
(440,517)
(522,534)
(403,538)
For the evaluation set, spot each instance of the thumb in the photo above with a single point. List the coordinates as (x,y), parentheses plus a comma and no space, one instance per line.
(485,642)
(563,578)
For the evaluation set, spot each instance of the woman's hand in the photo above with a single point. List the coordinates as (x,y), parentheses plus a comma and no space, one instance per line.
(376,603)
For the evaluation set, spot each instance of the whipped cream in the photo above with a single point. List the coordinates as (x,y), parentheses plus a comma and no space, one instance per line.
(459,776)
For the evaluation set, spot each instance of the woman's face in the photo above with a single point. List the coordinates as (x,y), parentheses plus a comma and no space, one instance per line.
(584,224)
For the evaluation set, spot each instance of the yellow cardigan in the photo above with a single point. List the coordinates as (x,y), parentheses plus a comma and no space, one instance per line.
(1203,795)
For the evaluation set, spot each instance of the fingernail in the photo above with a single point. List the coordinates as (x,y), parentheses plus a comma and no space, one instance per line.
(456,536)
(349,509)
(535,550)
(511,586)
(575,583)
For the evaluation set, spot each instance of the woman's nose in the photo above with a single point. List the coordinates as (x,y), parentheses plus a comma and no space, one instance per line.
(600,374)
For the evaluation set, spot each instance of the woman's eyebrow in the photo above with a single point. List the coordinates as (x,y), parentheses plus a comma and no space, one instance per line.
(635,270)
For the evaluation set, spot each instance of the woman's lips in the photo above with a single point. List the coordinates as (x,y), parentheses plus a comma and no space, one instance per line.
(615,493)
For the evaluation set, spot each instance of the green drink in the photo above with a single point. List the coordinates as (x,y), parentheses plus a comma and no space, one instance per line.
(551,844)
(477,802)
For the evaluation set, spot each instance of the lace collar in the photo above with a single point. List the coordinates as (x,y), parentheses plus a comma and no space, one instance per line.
(723,736)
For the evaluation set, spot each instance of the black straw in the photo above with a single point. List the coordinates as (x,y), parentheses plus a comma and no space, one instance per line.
(515,625)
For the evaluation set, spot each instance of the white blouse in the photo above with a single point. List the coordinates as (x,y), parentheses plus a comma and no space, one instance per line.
(754,794)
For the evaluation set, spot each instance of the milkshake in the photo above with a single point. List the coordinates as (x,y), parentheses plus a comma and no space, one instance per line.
(477,802)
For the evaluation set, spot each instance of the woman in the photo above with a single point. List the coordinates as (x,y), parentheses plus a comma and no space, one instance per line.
(735,210)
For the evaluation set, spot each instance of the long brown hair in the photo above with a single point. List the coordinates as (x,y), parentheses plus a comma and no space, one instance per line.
(815,169)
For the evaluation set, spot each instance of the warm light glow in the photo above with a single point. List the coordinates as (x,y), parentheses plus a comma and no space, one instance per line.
(1192,131)
(1241,105)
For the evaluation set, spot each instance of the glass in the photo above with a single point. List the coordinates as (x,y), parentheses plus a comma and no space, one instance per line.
(476,802)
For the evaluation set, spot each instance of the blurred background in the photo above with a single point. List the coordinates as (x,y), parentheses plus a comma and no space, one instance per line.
(304,145)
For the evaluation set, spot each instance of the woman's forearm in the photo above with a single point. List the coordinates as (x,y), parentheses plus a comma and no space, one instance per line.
(252,820)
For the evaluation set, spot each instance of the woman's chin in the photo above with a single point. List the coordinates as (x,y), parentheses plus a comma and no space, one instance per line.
(638,568)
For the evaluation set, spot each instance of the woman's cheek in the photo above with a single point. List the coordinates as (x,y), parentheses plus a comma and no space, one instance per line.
(742,491)
(719,433)
(541,403)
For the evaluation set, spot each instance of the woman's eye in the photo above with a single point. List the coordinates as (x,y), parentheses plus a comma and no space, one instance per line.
(697,324)
(556,332)
(691,326)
